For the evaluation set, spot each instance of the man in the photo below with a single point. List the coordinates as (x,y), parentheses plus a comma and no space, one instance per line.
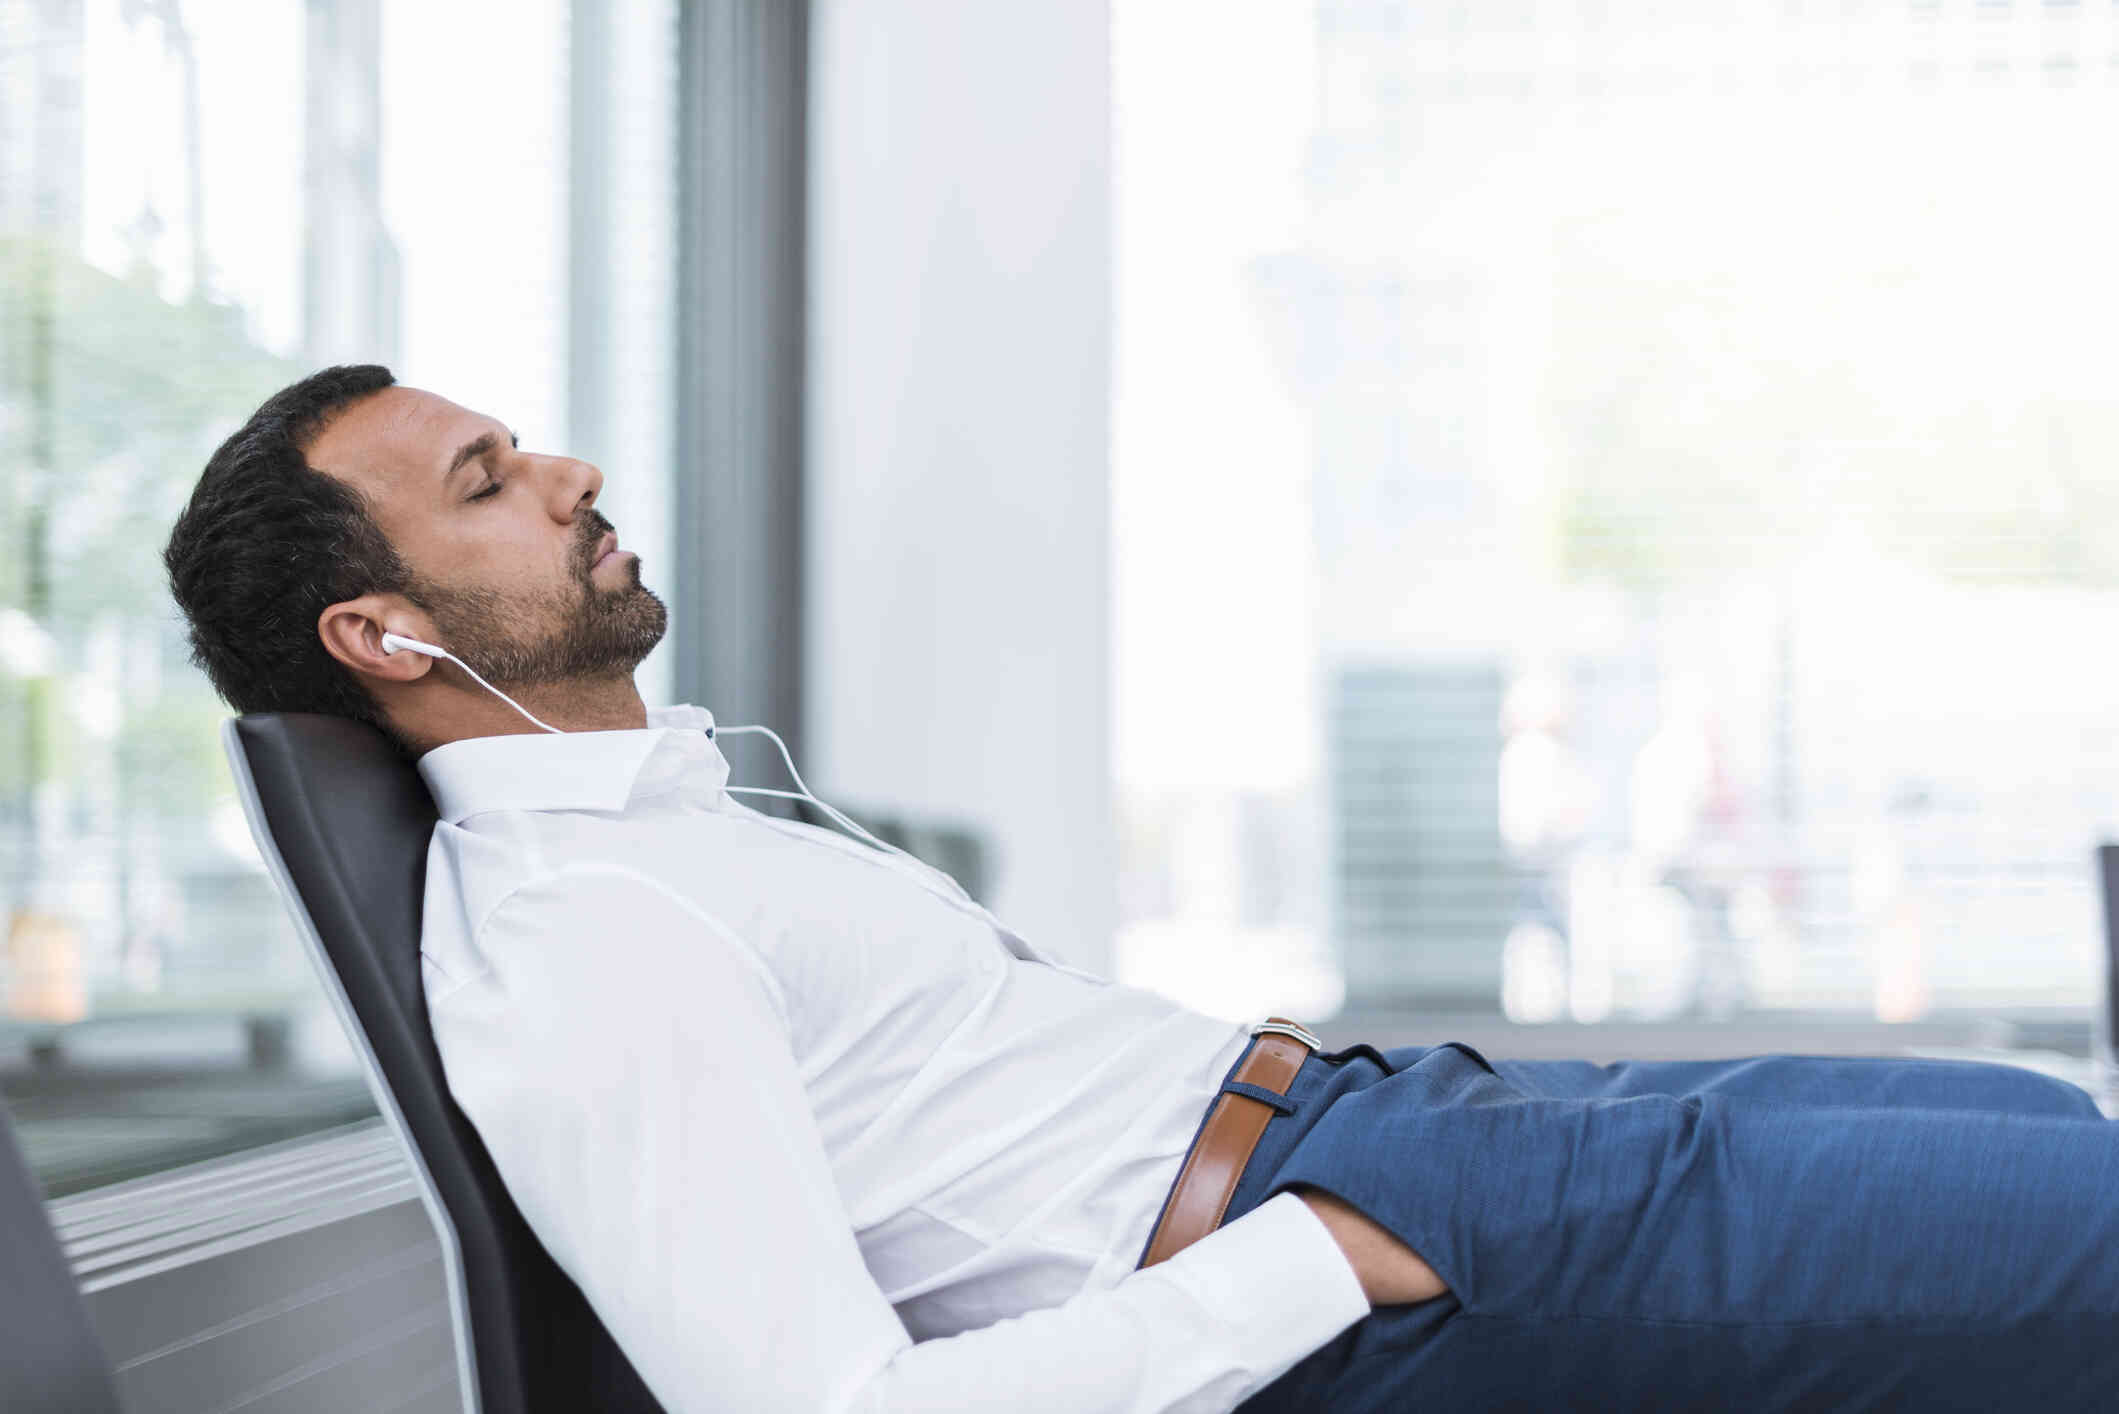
(812,1130)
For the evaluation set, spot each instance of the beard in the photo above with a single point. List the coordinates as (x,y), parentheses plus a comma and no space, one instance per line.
(574,632)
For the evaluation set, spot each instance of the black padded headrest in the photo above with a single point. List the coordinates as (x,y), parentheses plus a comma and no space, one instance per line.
(351,820)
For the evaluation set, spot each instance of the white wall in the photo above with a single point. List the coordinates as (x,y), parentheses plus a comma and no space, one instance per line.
(960,288)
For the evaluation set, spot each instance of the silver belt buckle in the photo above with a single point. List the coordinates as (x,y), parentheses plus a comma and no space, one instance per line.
(1287,1028)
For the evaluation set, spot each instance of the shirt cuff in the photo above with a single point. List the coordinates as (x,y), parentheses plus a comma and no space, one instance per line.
(1276,1274)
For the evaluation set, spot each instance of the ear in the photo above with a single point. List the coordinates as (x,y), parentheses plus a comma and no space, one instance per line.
(353,631)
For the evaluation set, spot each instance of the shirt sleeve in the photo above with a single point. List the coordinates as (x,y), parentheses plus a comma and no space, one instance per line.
(627,1061)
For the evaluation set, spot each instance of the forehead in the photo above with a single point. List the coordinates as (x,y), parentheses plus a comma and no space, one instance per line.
(395,442)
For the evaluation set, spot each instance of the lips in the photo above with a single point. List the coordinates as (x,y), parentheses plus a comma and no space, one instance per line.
(604,547)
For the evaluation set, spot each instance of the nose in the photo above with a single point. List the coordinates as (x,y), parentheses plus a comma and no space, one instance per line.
(575,487)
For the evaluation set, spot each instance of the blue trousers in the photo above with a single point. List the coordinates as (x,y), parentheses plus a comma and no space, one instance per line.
(1775,1233)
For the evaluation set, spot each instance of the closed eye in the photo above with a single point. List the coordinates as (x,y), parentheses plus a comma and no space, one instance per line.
(515,441)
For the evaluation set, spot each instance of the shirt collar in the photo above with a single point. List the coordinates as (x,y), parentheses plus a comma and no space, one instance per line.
(574,770)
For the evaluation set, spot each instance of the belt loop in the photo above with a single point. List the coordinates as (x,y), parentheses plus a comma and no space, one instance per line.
(1274,1098)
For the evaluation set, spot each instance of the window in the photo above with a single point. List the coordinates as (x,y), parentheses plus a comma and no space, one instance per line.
(1613,506)
(201,201)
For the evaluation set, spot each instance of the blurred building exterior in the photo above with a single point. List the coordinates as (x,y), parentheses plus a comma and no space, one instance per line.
(1421,885)
(1689,361)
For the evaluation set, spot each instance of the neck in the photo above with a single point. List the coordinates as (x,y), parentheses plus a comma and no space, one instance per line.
(578,705)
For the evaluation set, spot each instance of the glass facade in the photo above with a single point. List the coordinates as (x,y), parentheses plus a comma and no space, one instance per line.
(1610,503)
(199,203)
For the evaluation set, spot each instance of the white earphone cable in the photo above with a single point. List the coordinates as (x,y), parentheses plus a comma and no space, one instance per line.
(802,791)
(433,651)
(803,786)
(833,811)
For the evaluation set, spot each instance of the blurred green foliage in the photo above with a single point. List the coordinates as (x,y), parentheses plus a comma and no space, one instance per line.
(111,400)
(1692,457)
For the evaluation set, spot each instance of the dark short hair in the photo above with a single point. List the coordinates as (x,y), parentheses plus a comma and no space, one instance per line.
(267,543)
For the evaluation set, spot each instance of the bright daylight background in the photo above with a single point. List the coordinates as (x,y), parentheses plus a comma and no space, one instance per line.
(1616,506)
(1586,528)
(1613,508)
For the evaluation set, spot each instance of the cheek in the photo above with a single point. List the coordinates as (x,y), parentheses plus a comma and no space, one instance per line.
(514,552)
(521,556)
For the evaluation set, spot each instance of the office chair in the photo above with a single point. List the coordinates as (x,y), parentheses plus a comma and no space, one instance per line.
(50,1359)
(343,822)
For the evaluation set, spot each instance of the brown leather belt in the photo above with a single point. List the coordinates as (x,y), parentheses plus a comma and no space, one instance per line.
(1208,1179)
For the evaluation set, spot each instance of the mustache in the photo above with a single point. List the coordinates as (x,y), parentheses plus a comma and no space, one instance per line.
(594,527)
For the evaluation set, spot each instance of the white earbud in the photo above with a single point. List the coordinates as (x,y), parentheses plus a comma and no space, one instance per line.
(393,642)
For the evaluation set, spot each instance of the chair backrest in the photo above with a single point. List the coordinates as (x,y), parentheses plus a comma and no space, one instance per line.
(50,1359)
(343,822)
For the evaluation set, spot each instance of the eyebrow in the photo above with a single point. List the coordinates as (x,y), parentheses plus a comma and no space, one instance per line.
(477,447)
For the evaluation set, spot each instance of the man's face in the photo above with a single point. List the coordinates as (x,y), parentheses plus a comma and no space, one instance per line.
(501,543)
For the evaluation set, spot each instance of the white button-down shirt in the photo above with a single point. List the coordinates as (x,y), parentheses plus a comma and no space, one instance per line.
(814,1131)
